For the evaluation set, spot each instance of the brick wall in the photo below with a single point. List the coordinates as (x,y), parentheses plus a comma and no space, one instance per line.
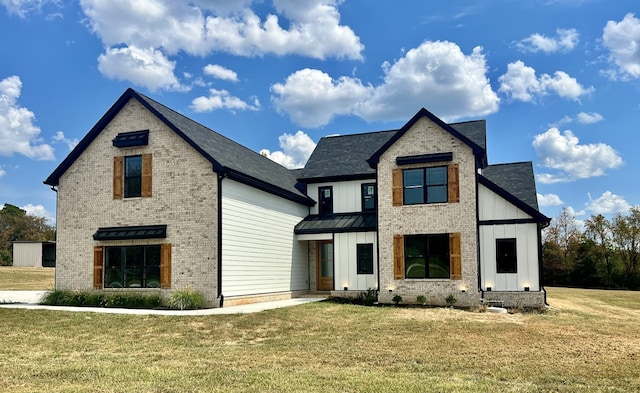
(184,198)
(426,137)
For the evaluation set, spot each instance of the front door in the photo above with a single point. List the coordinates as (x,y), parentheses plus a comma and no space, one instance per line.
(325,265)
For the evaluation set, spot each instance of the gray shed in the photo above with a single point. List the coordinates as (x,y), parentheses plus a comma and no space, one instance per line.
(34,254)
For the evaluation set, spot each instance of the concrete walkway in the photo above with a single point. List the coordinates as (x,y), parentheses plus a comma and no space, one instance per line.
(29,300)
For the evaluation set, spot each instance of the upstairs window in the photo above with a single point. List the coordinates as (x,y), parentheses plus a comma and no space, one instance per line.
(425,185)
(506,256)
(132,176)
(325,200)
(368,197)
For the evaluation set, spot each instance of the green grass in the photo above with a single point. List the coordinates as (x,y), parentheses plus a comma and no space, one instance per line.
(588,342)
(26,278)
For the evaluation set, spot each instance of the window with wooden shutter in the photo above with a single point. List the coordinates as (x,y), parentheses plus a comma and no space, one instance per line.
(455,256)
(98,261)
(454,183)
(165,265)
(118,177)
(398,257)
(146,175)
(396,181)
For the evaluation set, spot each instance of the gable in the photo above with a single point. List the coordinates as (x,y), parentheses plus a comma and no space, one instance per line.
(492,206)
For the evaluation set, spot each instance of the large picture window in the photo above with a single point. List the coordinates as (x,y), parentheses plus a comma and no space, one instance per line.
(365,258)
(506,256)
(425,185)
(132,267)
(427,256)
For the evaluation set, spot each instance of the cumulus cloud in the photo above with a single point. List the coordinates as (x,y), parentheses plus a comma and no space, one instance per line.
(166,28)
(59,137)
(563,152)
(38,211)
(621,38)
(222,99)
(296,150)
(18,133)
(582,118)
(437,75)
(549,200)
(146,67)
(607,203)
(565,41)
(220,72)
(521,83)
(2,173)
(24,7)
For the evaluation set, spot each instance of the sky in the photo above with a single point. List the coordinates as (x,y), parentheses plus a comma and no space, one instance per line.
(557,81)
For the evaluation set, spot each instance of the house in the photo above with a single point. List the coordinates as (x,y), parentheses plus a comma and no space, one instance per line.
(152,201)
(34,254)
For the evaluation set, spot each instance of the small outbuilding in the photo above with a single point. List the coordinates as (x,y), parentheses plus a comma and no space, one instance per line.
(34,254)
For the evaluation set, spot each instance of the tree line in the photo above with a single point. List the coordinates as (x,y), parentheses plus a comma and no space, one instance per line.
(605,253)
(17,225)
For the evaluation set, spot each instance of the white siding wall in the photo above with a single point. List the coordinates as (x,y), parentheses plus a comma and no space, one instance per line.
(27,254)
(494,207)
(347,195)
(346,263)
(259,251)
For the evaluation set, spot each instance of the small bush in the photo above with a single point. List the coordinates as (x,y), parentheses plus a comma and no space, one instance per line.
(100,299)
(451,300)
(5,258)
(421,299)
(397,299)
(186,299)
(368,297)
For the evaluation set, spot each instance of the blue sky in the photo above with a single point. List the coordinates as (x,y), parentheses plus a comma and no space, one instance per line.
(558,81)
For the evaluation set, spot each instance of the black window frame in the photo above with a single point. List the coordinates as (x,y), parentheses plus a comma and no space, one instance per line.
(428,184)
(122,274)
(364,265)
(365,197)
(325,204)
(132,187)
(425,247)
(507,255)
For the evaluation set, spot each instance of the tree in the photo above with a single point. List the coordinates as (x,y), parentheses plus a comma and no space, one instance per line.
(599,230)
(626,240)
(562,239)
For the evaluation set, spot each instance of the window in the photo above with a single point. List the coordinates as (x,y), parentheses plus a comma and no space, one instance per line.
(506,256)
(365,258)
(325,200)
(132,267)
(132,176)
(427,256)
(425,185)
(368,197)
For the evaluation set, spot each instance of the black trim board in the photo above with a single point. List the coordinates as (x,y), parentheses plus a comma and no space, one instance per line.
(425,158)
(327,179)
(509,221)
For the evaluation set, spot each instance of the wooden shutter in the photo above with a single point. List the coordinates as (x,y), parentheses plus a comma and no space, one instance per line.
(146,175)
(396,182)
(453,183)
(118,177)
(165,265)
(455,256)
(98,262)
(398,257)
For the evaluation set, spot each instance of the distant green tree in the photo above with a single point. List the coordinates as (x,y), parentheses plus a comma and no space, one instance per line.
(626,240)
(598,230)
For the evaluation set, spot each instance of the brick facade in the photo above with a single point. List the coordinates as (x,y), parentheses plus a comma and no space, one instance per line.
(184,197)
(426,137)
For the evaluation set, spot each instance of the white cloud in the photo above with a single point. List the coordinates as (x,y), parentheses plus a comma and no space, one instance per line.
(607,203)
(565,41)
(18,133)
(622,38)
(436,75)
(549,200)
(2,173)
(38,211)
(563,151)
(222,99)
(145,67)
(521,83)
(220,72)
(166,28)
(71,143)
(296,150)
(589,118)
(24,7)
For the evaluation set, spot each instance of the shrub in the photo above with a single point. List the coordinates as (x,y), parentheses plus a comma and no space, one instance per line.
(368,297)
(421,299)
(100,299)
(5,258)
(397,299)
(451,300)
(186,299)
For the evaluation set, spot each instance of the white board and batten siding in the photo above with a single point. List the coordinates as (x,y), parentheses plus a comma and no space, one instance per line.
(346,263)
(493,207)
(260,253)
(347,195)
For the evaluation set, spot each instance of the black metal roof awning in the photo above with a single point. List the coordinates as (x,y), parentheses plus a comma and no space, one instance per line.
(130,139)
(135,232)
(336,223)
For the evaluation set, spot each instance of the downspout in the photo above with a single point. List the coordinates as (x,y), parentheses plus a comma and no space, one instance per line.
(377,230)
(540,264)
(478,237)
(221,176)
(53,188)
